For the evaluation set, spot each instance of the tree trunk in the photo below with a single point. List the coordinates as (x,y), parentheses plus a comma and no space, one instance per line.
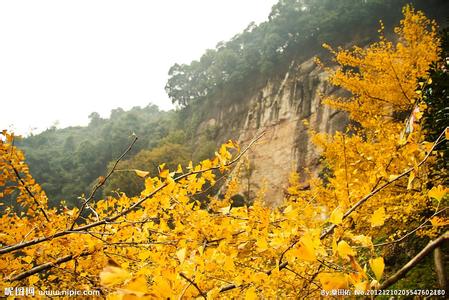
(439,268)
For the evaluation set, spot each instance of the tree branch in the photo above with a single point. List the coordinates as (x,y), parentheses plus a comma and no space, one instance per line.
(46,266)
(194,284)
(131,208)
(16,172)
(414,261)
(101,182)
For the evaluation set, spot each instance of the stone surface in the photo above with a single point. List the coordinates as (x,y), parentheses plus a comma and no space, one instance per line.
(279,109)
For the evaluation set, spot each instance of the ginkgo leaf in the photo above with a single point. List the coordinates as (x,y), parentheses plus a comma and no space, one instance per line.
(137,286)
(27,259)
(225,210)
(365,241)
(181,254)
(377,265)
(361,286)
(112,275)
(306,250)
(438,222)
(262,244)
(446,133)
(392,177)
(344,250)
(336,216)
(143,255)
(33,279)
(410,180)
(378,217)
(141,173)
(179,169)
(251,294)
(164,173)
(333,281)
(437,193)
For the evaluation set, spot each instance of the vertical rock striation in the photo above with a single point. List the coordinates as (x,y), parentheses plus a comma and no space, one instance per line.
(280,108)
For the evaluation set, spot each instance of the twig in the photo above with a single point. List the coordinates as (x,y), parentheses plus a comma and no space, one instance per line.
(413,231)
(16,172)
(101,182)
(346,167)
(194,284)
(414,261)
(47,266)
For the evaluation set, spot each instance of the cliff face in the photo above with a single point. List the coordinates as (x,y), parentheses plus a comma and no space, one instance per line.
(279,109)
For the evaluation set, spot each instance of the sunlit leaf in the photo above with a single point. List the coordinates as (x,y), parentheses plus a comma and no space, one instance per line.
(378,217)
(377,265)
(438,192)
(141,173)
(336,216)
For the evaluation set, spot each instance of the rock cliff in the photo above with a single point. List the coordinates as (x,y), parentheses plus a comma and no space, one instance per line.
(280,108)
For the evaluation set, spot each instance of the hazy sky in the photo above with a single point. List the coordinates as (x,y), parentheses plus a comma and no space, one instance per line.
(61,60)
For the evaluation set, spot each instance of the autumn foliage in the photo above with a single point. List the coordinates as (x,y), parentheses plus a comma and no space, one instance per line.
(374,192)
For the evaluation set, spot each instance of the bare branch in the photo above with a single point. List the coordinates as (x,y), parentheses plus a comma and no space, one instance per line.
(414,261)
(46,266)
(101,182)
(194,284)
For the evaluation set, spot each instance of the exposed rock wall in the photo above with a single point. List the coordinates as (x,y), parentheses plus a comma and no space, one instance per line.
(280,109)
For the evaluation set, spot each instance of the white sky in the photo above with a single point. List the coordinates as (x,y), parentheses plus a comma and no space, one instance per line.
(61,60)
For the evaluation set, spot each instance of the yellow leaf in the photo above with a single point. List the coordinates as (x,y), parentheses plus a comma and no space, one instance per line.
(262,244)
(438,222)
(377,265)
(378,217)
(437,192)
(336,216)
(361,286)
(251,294)
(306,250)
(143,255)
(363,240)
(33,279)
(181,254)
(228,264)
(141,173)
(164,173)
(162,288)
(446,133)
(333,281)
(112,275)
(392,177)
(225,210)
(344,250)
(179,169)
(27,259)
(410,180)
(137,286)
